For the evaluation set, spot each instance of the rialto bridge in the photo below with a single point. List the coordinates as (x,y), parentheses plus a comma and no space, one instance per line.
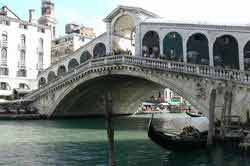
(141,52)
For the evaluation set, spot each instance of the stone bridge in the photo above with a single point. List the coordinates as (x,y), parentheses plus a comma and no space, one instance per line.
(132,79)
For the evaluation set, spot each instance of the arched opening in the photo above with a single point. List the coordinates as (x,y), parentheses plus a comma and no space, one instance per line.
(226,52)
(42,82)
(23,40)
(247,56)
(197,49)
(72,64)
(85,56)
(151,45)
(124,35)
(61,70)
(51,76)
(172,47)
(99,50)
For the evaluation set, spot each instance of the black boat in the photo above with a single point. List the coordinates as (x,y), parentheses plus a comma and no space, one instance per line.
(177,142)
(194,115)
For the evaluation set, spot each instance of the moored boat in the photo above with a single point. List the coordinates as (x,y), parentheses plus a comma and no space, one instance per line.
(188,140)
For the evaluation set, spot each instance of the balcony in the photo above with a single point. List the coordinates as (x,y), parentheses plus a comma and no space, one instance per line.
(5,44)
(4,71)
(22,47)
(21,66)
(3,63)
(21,73)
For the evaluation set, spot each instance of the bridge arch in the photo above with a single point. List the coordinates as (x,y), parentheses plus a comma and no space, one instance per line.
(247,56)
(226,52)
(85,56)
(99,50)
(41,82)
(124,34)
(173,47)
(73,63)
(197,49)
(151,44)
(61,70)
(158,80)
(51,76)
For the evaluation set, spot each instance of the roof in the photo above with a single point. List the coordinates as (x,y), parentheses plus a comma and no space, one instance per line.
(190,22)
(137,9)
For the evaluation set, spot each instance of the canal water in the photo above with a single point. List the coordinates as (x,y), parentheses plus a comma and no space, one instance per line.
(83,142)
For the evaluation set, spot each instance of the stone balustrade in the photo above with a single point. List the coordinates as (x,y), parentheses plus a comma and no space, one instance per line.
(241,77)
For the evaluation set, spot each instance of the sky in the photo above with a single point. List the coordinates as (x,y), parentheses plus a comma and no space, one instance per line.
(91,12)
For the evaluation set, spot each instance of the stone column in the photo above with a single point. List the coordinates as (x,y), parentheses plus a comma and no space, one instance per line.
(109,37)
(161,45)
(211,51)
(137,41)
(241,56)
(184,49)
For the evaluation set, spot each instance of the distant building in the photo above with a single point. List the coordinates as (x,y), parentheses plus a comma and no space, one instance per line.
(72,28)
(66,45)
(75,37)
(48,16)
(86,32)
(25,48)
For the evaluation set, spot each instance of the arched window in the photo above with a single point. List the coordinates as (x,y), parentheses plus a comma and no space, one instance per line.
(172,47)
(99,50)
(197,49)
(4,37)
(4,55)
(41,43)
(226,52)
(23,40)
(124,32)
(22,58)
(42,82)
(51,76)
(85,56)
(151,44)
(72,64)
(61,70)
(247,56)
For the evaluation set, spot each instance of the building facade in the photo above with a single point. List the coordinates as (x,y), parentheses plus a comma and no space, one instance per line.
(24,51)
(76,36)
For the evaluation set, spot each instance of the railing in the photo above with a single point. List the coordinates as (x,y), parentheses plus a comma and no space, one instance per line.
(5,43)
(164,65)
(3,63)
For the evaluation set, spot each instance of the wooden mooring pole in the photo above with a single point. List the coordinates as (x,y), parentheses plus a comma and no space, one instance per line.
(211,117)
(108,106)
(223,113)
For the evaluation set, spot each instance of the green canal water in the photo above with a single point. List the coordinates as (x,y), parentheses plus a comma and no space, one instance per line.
(83,142)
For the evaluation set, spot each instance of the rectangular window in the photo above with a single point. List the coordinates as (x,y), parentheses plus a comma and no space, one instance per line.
(21,73)
(5,22)
(23,26)
(4,71)
(3,86)
(42,30)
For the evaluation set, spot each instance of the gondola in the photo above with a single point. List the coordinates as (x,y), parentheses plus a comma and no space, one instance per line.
(176,142)
(194,115)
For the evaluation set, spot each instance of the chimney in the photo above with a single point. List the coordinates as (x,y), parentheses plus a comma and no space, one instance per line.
(31,15)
